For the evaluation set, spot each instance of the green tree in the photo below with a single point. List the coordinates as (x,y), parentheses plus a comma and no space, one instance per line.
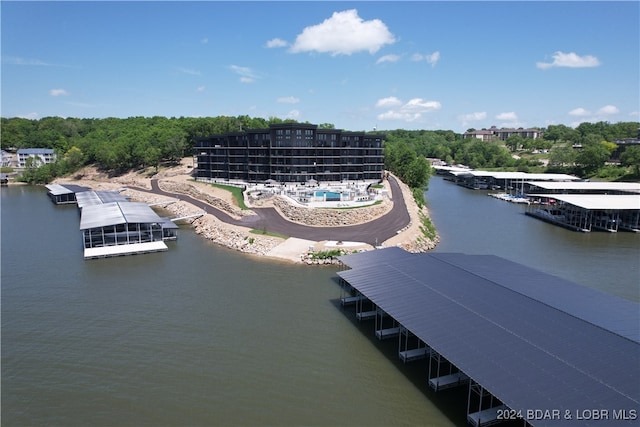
(631,158)
(326,126)
(37,173)
(417,173)
(557,133)
(74,157)
(152,156)
(16,132)
(514,142)
(592,157)
(562,157)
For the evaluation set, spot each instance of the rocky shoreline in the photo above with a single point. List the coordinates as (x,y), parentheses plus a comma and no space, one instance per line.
(177,180)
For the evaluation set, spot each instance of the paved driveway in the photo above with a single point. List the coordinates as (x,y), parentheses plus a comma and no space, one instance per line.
(373,232)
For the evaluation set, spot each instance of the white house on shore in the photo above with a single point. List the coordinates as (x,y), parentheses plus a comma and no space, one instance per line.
(5,159)
(42,156)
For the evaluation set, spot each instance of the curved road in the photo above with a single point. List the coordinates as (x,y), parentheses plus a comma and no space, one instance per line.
(372,232)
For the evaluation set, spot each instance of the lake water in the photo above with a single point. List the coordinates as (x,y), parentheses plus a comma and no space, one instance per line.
(201,335)
(471,222)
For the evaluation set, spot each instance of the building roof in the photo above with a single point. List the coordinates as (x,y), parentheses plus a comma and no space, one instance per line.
(35,151)
(114,213)
(589,186)
(479,132)
(482,314)
(622,202)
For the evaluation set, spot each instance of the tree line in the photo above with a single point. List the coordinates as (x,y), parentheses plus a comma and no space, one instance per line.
(114,144)
(118,145)
(583,151)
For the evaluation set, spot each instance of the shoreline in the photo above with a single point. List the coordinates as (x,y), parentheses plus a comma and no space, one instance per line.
(253,241)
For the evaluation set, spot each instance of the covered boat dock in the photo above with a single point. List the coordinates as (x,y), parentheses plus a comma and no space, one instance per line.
(584,187)
(513,182)
(586,212)
(527,345)
(64,194)
(123,228)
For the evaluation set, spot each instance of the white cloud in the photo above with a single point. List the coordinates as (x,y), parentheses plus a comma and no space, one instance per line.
(391,101)
(293,114)
(13,60)
(343,34)
(608,110)
(478,115)
(388,58)
(247,75)
(189,71)
(508,120)
(288,100)
(570,60)
(58,92)
(601,114)
(200,89)
(580,112)
(29,116)
(431,58)
(408,112)
(204,40)
(465,119)
(276,43)
(510,116)
(634,114)
(419,104)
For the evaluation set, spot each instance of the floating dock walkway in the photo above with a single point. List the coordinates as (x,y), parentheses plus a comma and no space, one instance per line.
(526,345)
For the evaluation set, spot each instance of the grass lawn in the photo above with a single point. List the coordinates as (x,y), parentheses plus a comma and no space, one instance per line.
(236,192)
(268,233)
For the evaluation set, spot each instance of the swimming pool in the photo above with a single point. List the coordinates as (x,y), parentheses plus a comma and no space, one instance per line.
(329,196)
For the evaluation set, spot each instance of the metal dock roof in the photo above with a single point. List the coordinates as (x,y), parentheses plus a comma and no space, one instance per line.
(371,258)
(632,187)
(114,213)
(91,197)
(59,189)
(479,313)
(598,201)
(518,175)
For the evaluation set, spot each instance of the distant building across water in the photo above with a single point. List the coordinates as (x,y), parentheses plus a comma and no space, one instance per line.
(502,134)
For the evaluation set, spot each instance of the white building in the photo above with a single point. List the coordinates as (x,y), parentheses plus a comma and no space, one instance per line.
(5,159)
(42,156)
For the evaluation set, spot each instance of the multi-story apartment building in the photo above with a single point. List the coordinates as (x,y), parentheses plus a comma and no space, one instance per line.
(291,153)
(502,134)
(41,156)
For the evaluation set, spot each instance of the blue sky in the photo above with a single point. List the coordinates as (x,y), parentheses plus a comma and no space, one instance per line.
(358,65)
